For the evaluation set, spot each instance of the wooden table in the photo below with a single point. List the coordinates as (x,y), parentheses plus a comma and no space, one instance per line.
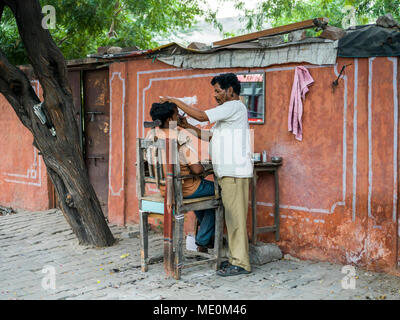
(272,168)
(260,167)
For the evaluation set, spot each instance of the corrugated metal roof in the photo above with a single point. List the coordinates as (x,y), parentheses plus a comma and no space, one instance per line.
(251,55)
(247,54)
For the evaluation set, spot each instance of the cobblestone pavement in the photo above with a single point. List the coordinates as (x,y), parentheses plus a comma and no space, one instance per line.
(35,244)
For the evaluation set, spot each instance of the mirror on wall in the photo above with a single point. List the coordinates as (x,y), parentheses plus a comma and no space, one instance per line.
(252,95)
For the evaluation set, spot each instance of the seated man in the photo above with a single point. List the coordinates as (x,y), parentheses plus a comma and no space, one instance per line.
(194,187)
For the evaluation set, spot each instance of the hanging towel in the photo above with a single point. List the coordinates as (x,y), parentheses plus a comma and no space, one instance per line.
(302,79)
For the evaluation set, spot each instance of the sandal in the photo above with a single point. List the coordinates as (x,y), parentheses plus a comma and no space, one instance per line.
(232,270)
(224,264)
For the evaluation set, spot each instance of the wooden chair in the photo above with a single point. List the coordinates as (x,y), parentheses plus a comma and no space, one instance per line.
(152,205)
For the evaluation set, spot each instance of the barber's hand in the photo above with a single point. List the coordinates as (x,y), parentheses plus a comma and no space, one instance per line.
(165,99)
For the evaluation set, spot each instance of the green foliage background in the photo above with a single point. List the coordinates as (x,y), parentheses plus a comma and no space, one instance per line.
(281,12)
(84,25)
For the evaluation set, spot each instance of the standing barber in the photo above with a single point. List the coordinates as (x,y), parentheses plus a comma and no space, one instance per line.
(231,158)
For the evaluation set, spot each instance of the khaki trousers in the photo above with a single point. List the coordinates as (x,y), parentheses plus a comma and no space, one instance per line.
(235,198)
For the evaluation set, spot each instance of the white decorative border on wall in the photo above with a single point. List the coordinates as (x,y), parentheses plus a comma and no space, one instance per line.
(112,192)
(395,132)
(355,117)
(370,60)
(35,170)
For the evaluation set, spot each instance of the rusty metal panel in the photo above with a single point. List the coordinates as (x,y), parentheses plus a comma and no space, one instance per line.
(74,78)
(96,131)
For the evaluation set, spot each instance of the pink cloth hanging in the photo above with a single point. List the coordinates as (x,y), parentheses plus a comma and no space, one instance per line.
(302,79)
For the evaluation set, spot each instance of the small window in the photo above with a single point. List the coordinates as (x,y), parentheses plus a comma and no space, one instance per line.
(252,95)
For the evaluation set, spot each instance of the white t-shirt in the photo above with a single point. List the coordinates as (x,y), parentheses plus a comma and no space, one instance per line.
(231,141)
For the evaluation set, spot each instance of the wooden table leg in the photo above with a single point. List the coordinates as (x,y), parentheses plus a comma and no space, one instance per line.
(254,209)
(276,212)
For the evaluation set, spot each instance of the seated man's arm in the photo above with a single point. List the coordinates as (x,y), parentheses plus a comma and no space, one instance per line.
(190,157)
(196,168)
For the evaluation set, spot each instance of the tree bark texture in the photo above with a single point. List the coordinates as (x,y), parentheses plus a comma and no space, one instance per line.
(61,153)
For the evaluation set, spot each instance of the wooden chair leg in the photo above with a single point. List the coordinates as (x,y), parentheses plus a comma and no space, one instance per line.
(219,230)
(254,209)
(179,240)
(144,239)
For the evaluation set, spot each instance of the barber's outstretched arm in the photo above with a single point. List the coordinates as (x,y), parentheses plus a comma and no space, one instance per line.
(195,113)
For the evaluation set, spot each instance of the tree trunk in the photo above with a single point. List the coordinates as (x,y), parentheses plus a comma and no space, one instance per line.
(61,152)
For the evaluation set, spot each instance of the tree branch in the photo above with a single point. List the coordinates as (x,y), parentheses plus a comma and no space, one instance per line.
(49,65)
(1,9)
(46,58)
(60,42)
(16,88)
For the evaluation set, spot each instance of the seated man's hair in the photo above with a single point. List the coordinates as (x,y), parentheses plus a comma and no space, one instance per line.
(227,80)
(162,111)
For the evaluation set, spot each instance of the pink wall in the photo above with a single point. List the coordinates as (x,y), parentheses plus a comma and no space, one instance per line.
(338,187)
(23,175)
